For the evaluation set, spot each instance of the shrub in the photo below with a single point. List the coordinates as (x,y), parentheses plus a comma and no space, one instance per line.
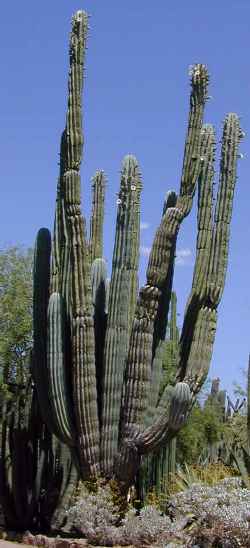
(226,502)
(96,518)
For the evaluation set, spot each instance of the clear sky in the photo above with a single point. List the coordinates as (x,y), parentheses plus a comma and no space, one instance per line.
(135,101)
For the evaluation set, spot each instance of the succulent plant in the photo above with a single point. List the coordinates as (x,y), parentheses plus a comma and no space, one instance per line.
(37,474)
(156,470)
(96,379)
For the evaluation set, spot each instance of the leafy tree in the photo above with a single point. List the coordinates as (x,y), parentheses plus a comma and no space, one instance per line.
(15,315)
(204,428)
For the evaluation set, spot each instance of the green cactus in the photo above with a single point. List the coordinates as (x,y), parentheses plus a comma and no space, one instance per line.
(37,475)
(106,391)
(122,301)
(156,471)
(97,217)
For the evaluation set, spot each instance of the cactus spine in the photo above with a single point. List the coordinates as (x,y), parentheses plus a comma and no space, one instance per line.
(107,394)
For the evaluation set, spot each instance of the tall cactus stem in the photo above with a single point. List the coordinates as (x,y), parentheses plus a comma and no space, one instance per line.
(122,300)
(97,216)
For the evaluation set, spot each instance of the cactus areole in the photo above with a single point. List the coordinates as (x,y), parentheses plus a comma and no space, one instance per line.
(97,344)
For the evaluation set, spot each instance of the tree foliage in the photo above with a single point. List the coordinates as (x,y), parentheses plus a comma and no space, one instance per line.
(15,314)
(203,428)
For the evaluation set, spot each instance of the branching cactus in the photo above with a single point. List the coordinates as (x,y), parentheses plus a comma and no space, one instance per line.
(104,352)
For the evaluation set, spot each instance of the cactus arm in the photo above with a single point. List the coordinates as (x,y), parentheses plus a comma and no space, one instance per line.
(170,201)
(58,382)
(200,349)
(160,266)
(203,249)
(122,298)
(158,381)
(97,216)
(176,405)
(177,402)
(55,271)
(161,320)
(156,377)
(205,205)
(223,212)
(142,335)
(41,274)
(201,314)
(191,160)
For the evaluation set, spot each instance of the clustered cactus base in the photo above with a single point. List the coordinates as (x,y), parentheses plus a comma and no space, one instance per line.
(38,478)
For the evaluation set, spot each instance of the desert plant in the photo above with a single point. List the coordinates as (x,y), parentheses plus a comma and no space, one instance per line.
(113,441)
(224,502)
(37,474)
(96,517)
(188,475)
(156,469)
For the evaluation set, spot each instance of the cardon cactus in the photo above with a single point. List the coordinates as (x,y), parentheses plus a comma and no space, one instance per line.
(37,474)
(98,397)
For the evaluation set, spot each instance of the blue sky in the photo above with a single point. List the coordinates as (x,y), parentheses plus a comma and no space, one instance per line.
(135,101)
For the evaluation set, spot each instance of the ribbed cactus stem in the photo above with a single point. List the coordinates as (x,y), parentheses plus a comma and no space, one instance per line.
(156,378)
(41,282)
(180,403)
(97,216)
(57,373)
(122,300)
(191,160)
(174,333)
(224,203)
(205,208)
